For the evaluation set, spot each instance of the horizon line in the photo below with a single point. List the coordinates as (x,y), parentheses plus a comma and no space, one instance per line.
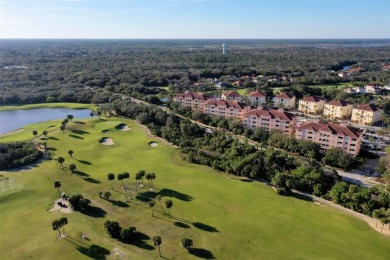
(357,38)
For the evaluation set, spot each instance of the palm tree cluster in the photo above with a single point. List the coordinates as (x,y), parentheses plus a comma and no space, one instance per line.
(58,224)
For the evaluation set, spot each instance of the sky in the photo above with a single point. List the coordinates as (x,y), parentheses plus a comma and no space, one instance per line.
(195,19)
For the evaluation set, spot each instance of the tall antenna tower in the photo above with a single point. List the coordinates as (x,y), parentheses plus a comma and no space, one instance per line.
(223,48)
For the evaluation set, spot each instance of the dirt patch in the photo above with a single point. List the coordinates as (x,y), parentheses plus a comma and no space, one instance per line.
(153,144)
(62,206)
(106,141)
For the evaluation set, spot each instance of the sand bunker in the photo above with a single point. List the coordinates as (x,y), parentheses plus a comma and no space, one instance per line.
(123,127)
(106,141)
(153,144)
(62,206)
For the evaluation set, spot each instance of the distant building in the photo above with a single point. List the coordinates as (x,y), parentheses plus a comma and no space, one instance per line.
(284,100)
(269,119)
(366,114)
(192,100)
(231,95)
(355,90)
(256,98)
(338,109)
(330,136)
(372,89)
(311,105)
(224,108)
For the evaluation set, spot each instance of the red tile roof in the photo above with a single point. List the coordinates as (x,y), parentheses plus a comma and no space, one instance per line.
(339,103)
(225,103)
(368,107)
(285,96)
(232,94)
(333,128)
(275,113)
(192,96)
(312,99)
(256,94)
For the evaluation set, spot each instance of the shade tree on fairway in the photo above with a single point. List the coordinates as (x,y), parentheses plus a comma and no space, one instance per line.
(107,195)
(70,152)
(72,167)
(35,133)
(148,177)
(56,225)
(186,243)
(159,198)
(63,222)
(120,177)
(45,133)
(157,242)
(61,160)
(69,117)
(128,234)
(140,177)
(78,202)
(125,175)
(57,185)
(111,177)
(168,205)
(62,128)
(113,228)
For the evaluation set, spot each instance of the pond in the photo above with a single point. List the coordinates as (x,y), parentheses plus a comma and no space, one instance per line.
(15,119)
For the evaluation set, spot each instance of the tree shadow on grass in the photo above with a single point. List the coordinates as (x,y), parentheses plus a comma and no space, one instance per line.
(44,138)
(175,194)
(140,241)
(146,196)
(119,203)
(92,180)
(79,132)
(246,180)
(51,149)
(204,227)
(79,122)
(53,138)
(84,162)
(76,136)
(79,173)
(94,251)
(94,212)
(181,225)
(202,253)
(301,197)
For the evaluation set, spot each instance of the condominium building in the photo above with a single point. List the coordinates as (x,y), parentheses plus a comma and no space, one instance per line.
(231,95)
(284,100)
(256,99)
(311,105)
(338,109)
(193,100)
(367,114)
(269,119)
(330,136)
(225,108)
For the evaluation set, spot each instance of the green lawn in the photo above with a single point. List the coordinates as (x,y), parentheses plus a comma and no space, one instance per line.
(48,105)
(337,85)
(226,218)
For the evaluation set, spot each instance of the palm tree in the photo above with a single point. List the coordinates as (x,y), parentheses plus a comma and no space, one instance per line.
(99,114)
(148,177)
(70,152)
(187,243)
(35,133)
(69,117)
(62,128)
(111,177)
(61,160)
(120,178)
(141,174)
(44,133)
(157,242)
(152,177)
(72,167)
(57,185)
(159,198)
(125,175)
(56,225)
(63,222)
(138,178)
(151,205)
(168,205)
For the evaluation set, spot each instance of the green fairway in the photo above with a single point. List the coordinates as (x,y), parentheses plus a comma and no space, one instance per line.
(226,218)
(48,105)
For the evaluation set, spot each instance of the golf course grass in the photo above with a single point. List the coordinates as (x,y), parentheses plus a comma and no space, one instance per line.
(48,105)
(226,218)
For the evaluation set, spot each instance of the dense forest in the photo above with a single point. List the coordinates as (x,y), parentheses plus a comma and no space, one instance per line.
(17,154)
(33,71)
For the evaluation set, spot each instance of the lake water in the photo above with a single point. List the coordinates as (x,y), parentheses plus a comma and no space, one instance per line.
(346,67)
(15,119)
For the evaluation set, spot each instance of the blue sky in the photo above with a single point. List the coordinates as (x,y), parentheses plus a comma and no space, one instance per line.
(145,19)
